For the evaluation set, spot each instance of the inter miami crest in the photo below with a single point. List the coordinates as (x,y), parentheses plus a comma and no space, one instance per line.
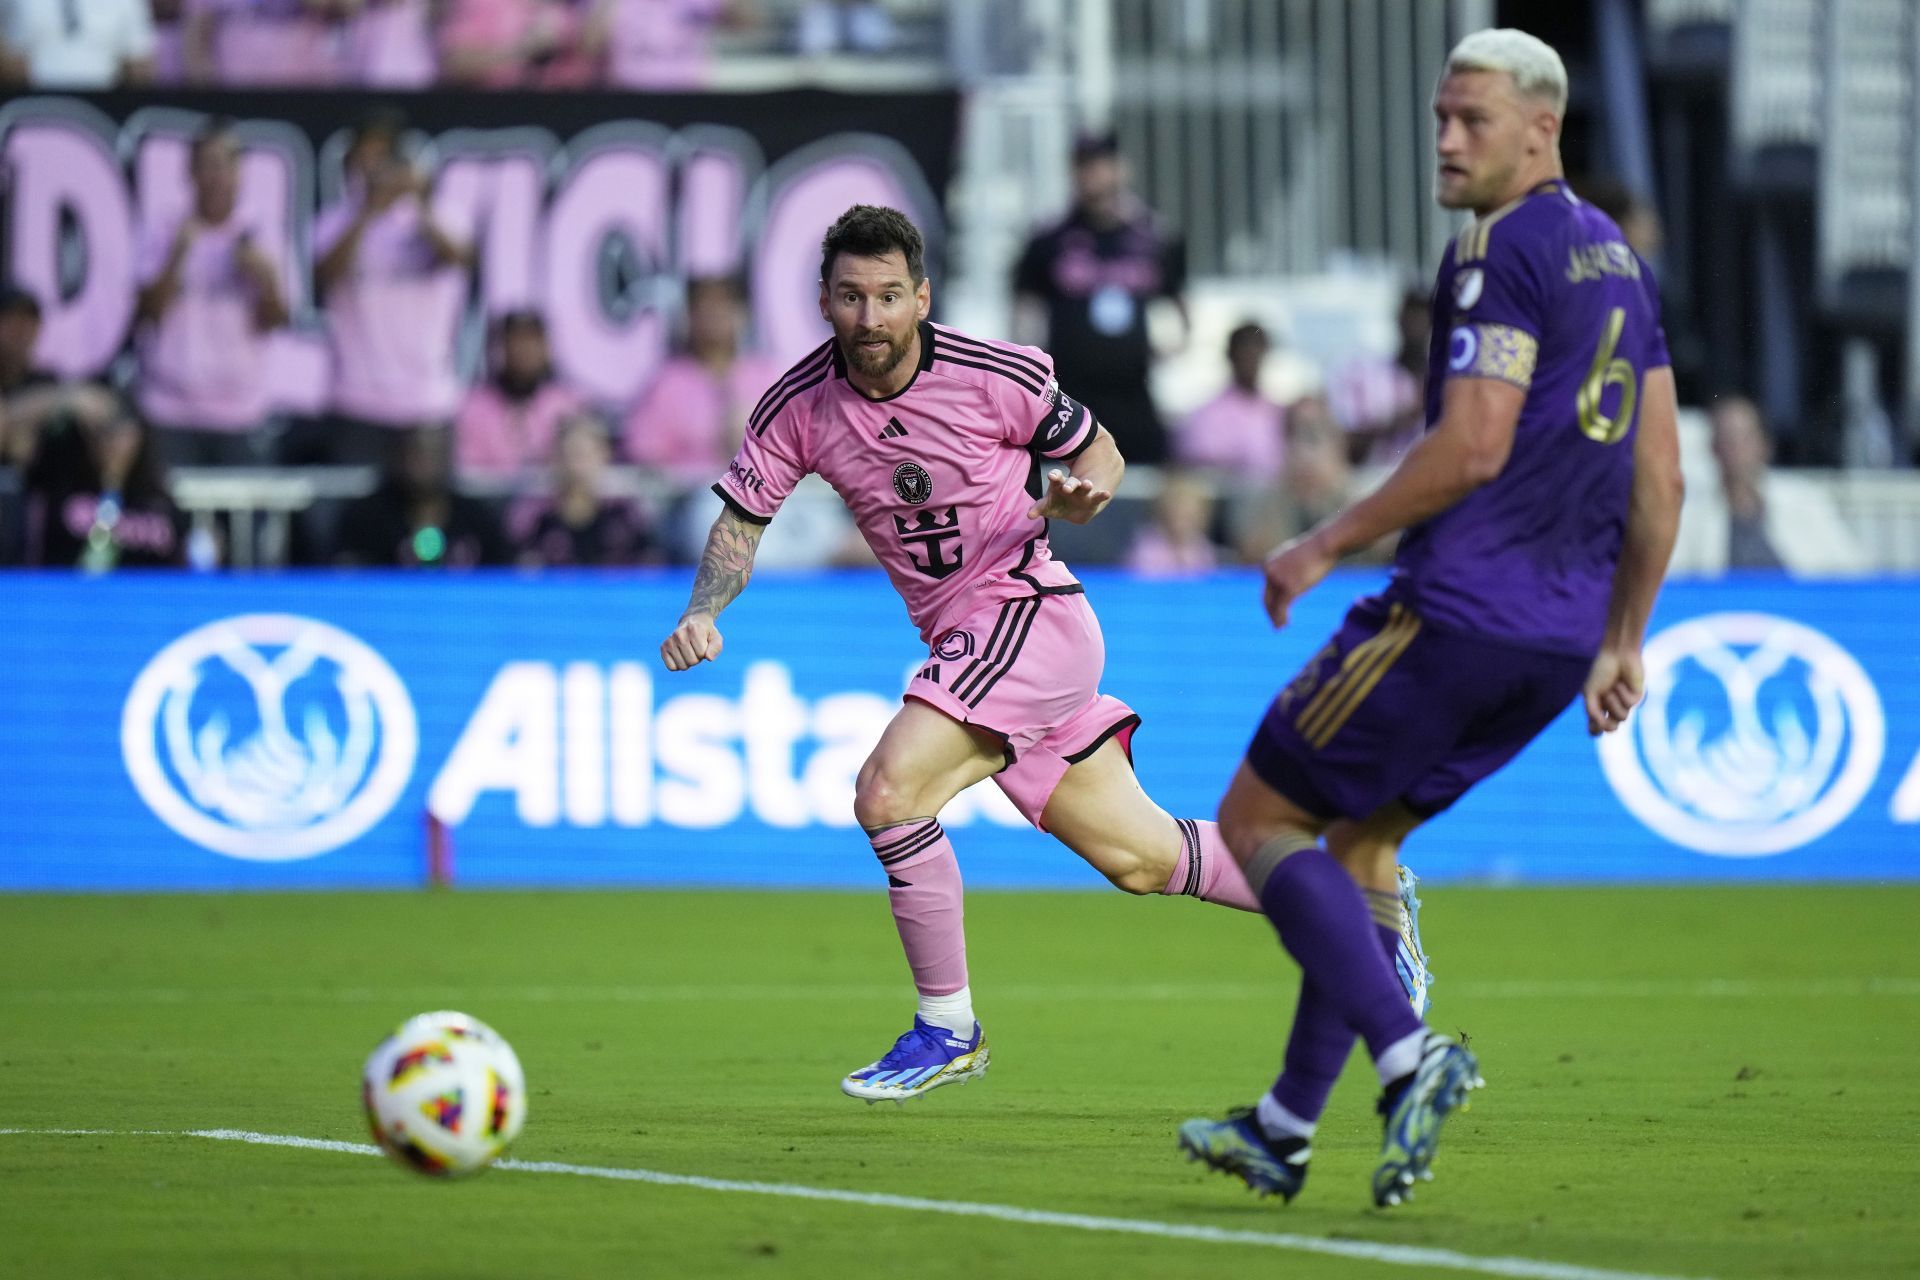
(912,483)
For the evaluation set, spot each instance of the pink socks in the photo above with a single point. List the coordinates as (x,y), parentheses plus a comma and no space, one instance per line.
(1205,868)
(923,887)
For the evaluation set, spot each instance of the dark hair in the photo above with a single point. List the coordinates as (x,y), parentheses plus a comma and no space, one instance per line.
(520,318)
(382,120)
(213,129)
(1247,331)
(729,285)
(874,231)
(1101,144)
(17,301)
(65,460)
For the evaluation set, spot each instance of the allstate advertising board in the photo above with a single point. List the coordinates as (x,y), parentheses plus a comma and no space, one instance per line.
(182,733)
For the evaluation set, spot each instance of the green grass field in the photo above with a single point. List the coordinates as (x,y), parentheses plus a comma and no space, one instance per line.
(1681,1083)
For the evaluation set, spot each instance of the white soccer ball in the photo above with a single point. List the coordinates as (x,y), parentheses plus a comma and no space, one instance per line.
(444,1094)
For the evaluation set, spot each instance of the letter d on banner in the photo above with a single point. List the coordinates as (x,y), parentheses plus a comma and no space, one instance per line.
(71,238)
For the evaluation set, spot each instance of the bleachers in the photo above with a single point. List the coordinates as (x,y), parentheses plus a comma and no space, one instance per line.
(1866,181)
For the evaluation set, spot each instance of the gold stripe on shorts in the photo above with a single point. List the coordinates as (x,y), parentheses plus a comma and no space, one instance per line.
(1358,657)
(1362,654)
(1362,684)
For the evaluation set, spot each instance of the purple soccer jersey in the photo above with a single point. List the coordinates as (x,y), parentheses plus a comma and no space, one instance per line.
(1546,295)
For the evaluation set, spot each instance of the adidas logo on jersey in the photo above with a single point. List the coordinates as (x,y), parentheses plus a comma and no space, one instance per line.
(892,429)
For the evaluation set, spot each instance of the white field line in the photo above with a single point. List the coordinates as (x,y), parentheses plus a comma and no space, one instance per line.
(1158,992)
(1361,1250)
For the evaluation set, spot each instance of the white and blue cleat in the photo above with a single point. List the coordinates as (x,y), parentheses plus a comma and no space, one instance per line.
(925,1058)
(1409,957)
(1414,1110)
(1235,1146)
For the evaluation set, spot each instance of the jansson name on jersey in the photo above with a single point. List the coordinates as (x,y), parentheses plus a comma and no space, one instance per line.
(1608,258)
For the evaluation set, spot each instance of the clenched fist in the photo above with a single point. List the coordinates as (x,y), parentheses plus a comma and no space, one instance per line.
(694,641)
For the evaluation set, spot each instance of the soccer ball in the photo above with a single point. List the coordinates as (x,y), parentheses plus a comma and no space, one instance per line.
(444,1094)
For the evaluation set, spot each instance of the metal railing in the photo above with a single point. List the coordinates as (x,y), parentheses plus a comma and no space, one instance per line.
(1276,135)
(1776,78)
(1867,140)
(1881,509)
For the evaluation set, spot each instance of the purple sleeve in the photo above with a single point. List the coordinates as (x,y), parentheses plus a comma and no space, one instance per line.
(1500,309)
(1656,356)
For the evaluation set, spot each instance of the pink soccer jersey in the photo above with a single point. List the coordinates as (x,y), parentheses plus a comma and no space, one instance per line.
(392,320)
(939,476)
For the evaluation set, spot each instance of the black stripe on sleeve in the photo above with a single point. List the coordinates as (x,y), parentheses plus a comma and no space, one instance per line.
(811,382)
(1030,386)
(733,505)
(1016,358)
(808,364)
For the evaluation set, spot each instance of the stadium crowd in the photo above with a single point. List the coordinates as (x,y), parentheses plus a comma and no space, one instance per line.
(515,465)
(388,277)
(657,45)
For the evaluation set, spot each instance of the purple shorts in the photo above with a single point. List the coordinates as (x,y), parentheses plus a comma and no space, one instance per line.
(1392,710)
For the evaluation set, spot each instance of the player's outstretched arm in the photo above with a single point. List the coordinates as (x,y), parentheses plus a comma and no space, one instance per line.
(1616,683)
(1081,490)
(1466,449)
(725,566)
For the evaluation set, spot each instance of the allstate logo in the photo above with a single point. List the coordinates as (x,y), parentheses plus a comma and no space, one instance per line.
(269,737)
(1757,736)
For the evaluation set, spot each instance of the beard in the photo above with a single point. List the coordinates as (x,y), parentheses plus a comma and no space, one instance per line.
(875,364)
(1474,190)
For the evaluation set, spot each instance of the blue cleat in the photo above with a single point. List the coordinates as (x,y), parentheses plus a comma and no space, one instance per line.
(1236,1146)
(1409,957)
(1414,1108)
(926,1057)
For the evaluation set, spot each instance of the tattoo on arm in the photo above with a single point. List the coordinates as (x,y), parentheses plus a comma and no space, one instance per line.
(725,565)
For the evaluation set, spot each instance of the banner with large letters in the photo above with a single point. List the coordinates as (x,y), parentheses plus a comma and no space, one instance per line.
(593,208)
(175,732)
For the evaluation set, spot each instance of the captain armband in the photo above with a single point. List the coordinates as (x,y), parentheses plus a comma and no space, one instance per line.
(1493,351)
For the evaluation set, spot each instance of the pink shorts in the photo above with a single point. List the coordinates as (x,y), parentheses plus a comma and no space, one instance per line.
(1028,672)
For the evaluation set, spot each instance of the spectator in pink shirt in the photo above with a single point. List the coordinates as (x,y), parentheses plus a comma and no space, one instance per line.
(507,425)
(1240,430)
(265,42)
(169,49)
(1317,482)
(1176,543)
(689,421)
(389,45)
(513,44)
(209,294)
(1382,402)
(392,279)
(659,45)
